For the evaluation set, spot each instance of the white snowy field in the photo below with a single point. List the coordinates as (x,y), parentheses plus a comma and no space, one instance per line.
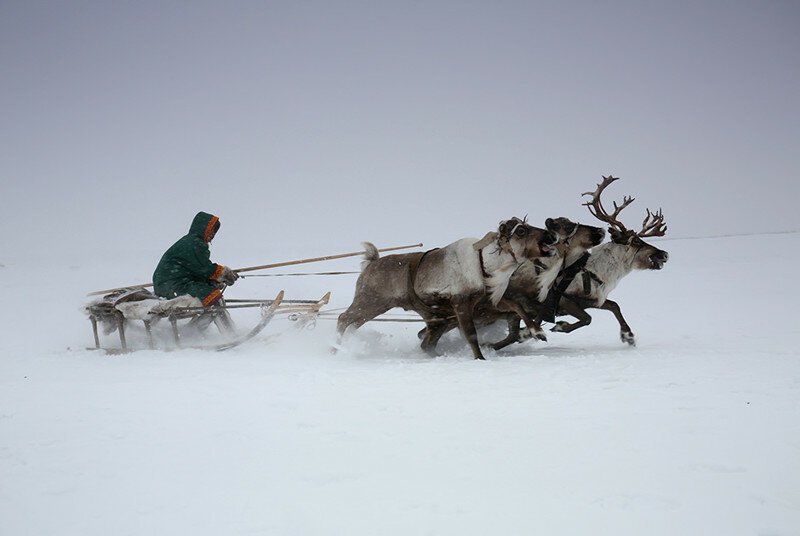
(694,431)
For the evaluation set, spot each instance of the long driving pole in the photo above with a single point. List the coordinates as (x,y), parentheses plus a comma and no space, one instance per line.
(267,266)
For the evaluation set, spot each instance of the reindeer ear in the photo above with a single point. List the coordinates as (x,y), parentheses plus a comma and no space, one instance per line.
(548,223)
(485,241)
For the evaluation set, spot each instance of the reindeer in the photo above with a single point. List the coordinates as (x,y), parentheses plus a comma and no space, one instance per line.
(444,282)
(531,282)
(589,286)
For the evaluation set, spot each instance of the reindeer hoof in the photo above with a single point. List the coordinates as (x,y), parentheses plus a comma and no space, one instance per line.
(431,351)
(480,357)
(559,327)
(528,333)
(627,337)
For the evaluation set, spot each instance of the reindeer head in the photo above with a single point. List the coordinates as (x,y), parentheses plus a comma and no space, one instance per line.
(646,256)
(525,241)
(575,235)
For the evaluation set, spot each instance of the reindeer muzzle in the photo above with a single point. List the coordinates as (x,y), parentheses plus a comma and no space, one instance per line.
(658,260)
(547,242)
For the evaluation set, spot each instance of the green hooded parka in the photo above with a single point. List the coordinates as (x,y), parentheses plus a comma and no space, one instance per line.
(186,268)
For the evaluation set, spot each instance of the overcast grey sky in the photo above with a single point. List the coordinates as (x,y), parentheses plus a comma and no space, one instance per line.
(309,126)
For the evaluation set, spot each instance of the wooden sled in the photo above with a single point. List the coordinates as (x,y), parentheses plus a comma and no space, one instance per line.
(115,311)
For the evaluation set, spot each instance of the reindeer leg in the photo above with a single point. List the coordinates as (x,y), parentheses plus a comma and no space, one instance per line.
(568,307)
(625,332)
(513,333)
(534,328)
(433,332)
(357,315)
(464,312)
(422,333)
(449,323)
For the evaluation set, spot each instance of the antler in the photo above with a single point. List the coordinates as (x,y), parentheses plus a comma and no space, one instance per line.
(596,207)
(653,224)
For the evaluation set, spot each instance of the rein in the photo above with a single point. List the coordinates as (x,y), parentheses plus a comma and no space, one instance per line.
(297,273)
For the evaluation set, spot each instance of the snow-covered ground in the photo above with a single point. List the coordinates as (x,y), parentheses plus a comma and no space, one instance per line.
(694,431)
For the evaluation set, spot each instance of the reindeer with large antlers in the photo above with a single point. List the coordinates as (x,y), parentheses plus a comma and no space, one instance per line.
(608,264)
(584,283)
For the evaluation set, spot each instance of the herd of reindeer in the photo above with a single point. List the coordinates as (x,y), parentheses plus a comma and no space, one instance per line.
(519,273)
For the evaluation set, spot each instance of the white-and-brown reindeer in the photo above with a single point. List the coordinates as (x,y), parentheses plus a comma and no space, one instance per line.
(530,284)
(608,263)
(445,282)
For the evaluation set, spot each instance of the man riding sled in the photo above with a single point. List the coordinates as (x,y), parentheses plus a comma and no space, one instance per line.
(186,267)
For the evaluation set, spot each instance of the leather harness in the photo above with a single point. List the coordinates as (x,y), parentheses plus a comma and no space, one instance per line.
(483,268)
(413,268)
(569,274)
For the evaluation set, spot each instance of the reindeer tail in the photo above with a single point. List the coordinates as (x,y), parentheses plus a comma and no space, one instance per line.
(370,254)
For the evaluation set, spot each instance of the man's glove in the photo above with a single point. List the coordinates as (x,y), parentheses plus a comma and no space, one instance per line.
(227,276)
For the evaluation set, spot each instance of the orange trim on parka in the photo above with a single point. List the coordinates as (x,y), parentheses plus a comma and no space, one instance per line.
(212,297)
(217,272)
(210,228)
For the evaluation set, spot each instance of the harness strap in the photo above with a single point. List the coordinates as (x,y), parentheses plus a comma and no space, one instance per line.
(588,276)
(413,268)
(567,276)
(503,245)
(510,251)
(483,268)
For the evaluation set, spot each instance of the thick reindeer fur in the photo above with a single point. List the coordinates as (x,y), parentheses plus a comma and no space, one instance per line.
(604,269)
(574,240)
(611,262)
(455,270)
(530,284)
(607,265)
(443,282)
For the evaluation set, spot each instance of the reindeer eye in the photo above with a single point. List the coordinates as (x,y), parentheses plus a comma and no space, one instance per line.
(521,231)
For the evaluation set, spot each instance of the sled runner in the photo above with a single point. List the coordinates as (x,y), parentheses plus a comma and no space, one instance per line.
(115,311)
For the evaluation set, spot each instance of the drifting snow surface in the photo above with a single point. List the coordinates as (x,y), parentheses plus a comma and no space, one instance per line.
(695,431)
